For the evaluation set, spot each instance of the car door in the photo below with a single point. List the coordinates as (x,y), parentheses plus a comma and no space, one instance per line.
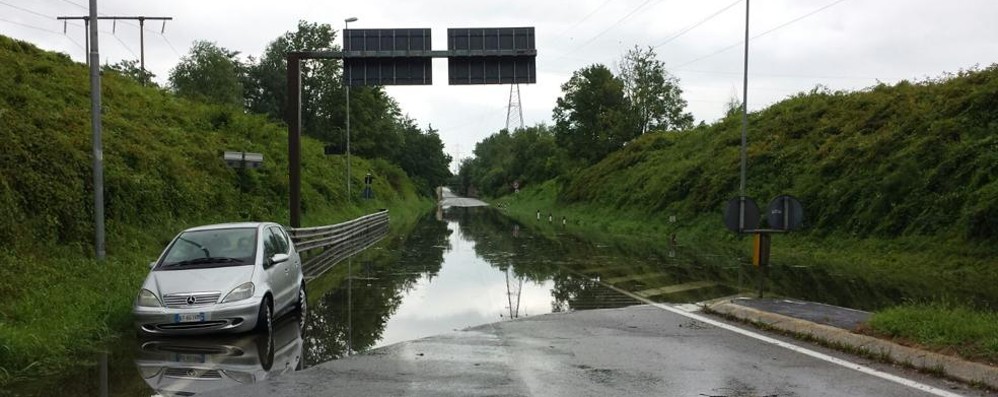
(277,273)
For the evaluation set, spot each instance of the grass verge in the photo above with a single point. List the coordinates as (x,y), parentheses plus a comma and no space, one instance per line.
(921,268)
(943,327)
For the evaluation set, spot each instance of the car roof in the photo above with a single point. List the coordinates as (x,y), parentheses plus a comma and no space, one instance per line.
(232,225)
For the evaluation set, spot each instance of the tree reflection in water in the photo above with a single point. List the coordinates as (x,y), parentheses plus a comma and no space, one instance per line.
(379,277)
(578,272)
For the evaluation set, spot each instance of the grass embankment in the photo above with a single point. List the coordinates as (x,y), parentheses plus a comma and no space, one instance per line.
(899,186)
(163,173)
(911,265)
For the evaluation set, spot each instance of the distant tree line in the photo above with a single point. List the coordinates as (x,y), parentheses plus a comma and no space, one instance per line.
(378,128)
(598,113)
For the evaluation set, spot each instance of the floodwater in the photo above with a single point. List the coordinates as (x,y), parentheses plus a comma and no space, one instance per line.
(457,268)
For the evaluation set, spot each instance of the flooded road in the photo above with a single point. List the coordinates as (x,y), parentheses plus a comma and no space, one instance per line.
(455,269)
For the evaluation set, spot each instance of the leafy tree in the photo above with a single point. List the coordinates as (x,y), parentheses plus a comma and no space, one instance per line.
(530,156)
(130,68)
(592,119)
(422,157)
(536,155)
(655,97)
(377,127)
(209,73)
(321,88)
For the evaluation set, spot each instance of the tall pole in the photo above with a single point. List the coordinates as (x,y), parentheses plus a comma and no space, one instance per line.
(349,196)
(294,137)
(745,101)
(86,22)
(142,44)
(95,126)
(346,25)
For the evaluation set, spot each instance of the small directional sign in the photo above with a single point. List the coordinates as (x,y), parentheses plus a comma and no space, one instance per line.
(243,159)
(785,213)
(733,214)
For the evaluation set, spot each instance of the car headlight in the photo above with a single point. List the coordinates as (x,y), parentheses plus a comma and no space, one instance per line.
(243,291)
(148,299)
(149,371)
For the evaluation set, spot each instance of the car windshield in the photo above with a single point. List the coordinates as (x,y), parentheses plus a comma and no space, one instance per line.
(211,248)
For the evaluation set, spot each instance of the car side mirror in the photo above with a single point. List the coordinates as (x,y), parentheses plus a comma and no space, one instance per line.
(152,264)
(278,258)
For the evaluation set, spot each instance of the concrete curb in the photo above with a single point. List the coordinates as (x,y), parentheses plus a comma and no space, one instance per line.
(966,371)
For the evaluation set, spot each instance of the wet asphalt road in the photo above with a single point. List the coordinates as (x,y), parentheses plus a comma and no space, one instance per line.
(639,350)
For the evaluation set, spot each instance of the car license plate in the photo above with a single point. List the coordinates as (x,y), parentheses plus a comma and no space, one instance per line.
(190,358)
(188,317)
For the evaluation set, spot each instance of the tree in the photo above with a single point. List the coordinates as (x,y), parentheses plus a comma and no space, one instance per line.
(654,94)
(130,68)
(422,157)
(321,89)
(593,117)
(209,73)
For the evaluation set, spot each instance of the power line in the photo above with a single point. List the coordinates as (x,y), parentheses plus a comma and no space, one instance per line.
(142,37)
(124,45)
(695,25)
(77,5)
(26,10)
(788,76)
(31,26)
(619,21)
(585,18)
(163,36)
(783,25)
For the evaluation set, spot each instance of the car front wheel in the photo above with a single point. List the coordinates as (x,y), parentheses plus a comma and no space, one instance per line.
(302,301)
(265,319)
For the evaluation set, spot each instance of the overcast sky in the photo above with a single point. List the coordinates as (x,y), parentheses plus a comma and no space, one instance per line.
(841,44)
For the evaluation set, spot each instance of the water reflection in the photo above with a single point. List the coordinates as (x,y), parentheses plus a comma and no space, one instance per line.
(187,366)
(457,268)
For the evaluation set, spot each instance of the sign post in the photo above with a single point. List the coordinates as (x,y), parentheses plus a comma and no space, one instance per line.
(783,215)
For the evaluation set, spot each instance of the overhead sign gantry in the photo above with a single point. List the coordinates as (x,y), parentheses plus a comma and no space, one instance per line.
(404,57)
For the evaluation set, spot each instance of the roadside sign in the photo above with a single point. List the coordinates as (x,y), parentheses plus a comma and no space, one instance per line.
(243,159)
(733,214)
(785,213)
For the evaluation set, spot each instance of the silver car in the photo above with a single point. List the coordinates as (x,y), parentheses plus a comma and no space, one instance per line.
(231,277)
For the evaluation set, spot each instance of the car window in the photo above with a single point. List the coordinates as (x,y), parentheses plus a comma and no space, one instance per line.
(212,248)
(271,244)
(285,247)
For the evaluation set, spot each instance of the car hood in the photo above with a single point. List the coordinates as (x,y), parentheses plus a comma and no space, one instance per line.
(215,279)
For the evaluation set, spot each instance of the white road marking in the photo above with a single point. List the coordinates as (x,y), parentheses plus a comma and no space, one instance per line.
(821,356)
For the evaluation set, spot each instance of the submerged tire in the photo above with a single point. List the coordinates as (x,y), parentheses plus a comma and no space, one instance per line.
(265,318)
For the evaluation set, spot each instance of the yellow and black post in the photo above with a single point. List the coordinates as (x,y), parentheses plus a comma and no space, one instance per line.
(760,256)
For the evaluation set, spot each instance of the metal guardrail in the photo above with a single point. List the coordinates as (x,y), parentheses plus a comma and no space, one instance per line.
(322,247)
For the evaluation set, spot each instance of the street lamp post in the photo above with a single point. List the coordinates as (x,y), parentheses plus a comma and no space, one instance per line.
(346,24)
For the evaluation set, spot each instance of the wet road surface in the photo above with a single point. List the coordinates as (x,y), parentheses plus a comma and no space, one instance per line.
(465,267)
(638,350)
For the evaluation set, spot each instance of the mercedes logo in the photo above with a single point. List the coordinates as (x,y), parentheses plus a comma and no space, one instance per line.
(192,300)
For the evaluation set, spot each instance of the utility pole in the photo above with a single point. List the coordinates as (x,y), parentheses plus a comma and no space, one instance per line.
(142,34)
(346,84)
(745,101)
(95,126)
(744,151)
(93,61)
